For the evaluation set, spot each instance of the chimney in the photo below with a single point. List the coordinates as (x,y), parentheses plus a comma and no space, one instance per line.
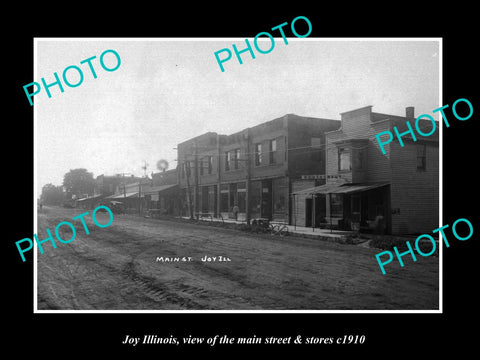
(409,112)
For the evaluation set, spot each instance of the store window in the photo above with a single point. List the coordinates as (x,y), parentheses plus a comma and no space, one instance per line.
(336,205)
(224,191)
(241,196)
(280,193)
(255,198)
(232,195)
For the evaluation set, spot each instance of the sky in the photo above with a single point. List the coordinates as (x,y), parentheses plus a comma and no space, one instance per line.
(166,91)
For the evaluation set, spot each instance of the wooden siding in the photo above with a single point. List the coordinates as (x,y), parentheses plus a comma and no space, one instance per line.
(298,203)
(357,125)
(414,192)
(378,165)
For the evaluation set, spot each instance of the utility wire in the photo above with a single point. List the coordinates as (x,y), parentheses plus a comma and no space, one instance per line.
(313,147)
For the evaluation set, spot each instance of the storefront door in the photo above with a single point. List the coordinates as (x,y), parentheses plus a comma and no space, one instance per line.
(266,208)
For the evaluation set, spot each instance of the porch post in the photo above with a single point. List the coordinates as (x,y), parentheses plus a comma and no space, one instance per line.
(313,212)
(295,211)
(330,210)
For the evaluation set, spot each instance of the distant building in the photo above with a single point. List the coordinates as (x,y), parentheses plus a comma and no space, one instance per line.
(164,177)
(397,192)
(255,168)
(138,195)
(107,184)
(163,194)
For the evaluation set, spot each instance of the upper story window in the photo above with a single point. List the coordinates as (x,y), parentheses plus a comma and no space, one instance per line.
(210,164)
(236,156)
(258,154)
(421,156)
(200,166)
(344,159)
(359,159)
(232,159)
(228,159)
(205,165)
(273,151)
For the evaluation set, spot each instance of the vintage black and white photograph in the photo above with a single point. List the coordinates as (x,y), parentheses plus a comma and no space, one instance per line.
(182,174)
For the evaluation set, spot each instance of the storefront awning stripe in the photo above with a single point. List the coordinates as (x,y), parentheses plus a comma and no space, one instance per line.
(357,188)
(322,189)
(339,188)
(89,198)
(157,189)
(121,196)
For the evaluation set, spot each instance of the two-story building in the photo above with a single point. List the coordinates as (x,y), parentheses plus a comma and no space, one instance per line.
(254,169)
(397,191)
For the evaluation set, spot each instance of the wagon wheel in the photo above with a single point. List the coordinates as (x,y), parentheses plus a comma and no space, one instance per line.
(273,229)
(283,230)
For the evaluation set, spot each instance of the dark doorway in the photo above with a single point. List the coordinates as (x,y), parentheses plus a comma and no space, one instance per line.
(320,209)
(232,195)
(266,208)
(212,200)
(308,212)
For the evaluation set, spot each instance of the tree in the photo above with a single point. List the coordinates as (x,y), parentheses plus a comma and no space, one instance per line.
(78,182)
(52,195)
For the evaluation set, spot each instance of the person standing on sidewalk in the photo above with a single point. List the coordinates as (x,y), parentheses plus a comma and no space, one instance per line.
(235,211)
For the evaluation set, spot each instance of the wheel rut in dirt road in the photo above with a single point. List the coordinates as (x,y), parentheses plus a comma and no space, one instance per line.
(165,295)
(117,269)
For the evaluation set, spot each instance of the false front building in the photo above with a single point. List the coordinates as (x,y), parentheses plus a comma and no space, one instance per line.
(365,189)
(252,171)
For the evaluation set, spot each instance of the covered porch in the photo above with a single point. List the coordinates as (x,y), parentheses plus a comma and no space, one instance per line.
(352,207)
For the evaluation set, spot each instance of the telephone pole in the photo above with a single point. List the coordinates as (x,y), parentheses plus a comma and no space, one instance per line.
(196,191)
(144,167)
(187,176)
(139,198)
(248,182)
(124,189)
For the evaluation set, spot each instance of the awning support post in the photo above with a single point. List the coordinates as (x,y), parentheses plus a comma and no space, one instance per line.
(313,213)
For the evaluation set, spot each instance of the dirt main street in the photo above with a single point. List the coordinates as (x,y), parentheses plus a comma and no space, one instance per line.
(116,268)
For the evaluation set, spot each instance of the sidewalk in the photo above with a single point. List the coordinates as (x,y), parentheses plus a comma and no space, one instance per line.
(317,233)
(337,236)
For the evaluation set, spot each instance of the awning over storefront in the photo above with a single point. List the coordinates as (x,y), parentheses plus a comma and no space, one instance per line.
(156,189)
(146,190)
(90,198)
(340,188)
(121,196)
